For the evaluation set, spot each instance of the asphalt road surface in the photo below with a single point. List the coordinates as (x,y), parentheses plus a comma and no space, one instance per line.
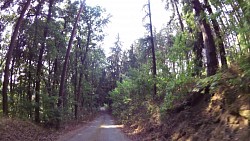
(101,129)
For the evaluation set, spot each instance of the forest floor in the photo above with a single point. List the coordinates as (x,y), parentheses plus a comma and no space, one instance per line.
(20,130)
(13,129)
(222,115)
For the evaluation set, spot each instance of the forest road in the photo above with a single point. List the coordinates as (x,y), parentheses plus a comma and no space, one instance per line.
(100,129)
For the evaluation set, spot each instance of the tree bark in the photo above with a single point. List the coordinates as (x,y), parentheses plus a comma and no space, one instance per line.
(39,64)
(61,90)
(29,93)
(211,56)
(217,31)
(198,46)
(153,49)
(8,58)
(179,16)
(75,87)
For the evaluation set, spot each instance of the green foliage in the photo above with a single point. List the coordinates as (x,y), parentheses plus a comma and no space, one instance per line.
(132,94)
(51,114)
(175,89)
(245,65)
(179,48)
(190,19)
(168,102)
(121,96)
(211,81)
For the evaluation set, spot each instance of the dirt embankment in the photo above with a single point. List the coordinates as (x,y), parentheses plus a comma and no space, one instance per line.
(19,130)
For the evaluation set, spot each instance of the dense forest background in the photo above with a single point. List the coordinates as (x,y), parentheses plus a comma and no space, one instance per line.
(54,69)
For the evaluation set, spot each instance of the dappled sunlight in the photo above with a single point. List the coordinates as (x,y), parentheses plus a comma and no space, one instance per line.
(137,131)
(111,126)
(211,106)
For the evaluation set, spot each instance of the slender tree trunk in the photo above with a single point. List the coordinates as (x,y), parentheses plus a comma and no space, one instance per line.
(57,63)
(212,62)
(12,73)
(29,85)
(39,68)
(75,87)
(153,49)
(198,46)
(179,16)
(217,31)
(82,63)
(61,90)
(9,56)
(182,29)
(49,82)
(55,79)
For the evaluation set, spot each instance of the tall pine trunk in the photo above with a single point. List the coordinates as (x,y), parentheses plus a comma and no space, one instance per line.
(212,62)
(62,82)
(217,31)
(153,49)
(39,65)
(29,92)
(75,85)
(8,58)
(37,95)
(198,46)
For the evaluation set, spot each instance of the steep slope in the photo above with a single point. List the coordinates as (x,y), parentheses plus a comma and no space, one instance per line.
(220,114)
(18,130)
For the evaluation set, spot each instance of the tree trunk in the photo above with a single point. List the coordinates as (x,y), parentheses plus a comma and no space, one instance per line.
(29,93)
(212,62)
(57,63)
(179,16)
(182,29)
(8,58)
(39,66)
(75,85)
(198,46)
(61,90)
(81,70)
(153,49)
(217,31)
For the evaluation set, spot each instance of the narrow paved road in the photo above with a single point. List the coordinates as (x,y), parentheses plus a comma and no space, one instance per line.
(101,129)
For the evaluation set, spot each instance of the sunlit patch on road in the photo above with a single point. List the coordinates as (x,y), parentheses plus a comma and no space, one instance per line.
(111,126)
